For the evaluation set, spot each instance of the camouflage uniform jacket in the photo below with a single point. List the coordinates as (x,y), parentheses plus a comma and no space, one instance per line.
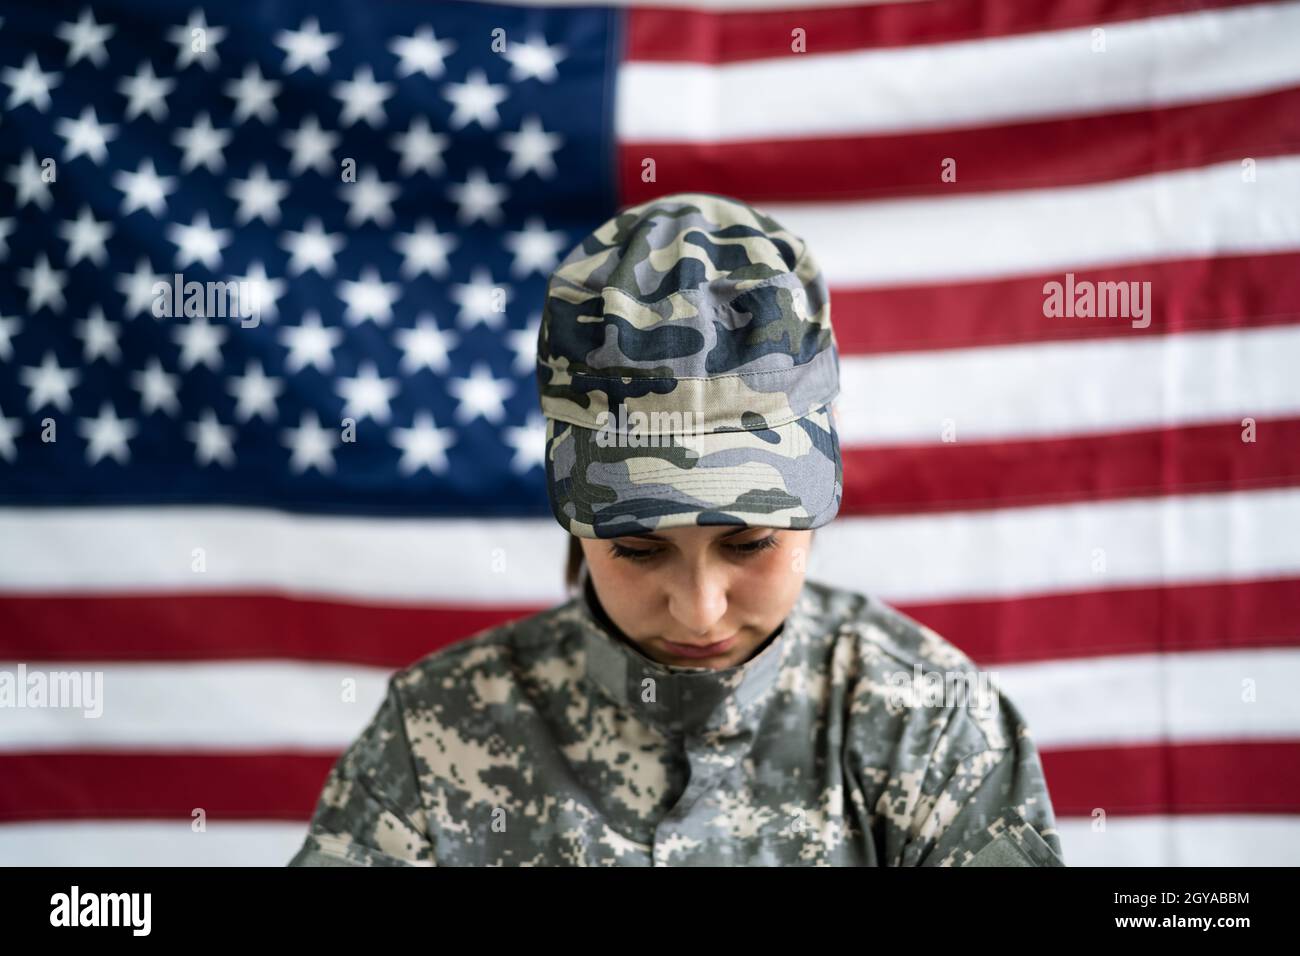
(551,740)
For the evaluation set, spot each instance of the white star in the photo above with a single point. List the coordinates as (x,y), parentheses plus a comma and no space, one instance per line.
(310,344)
(264,292)
(6,230)
(421,148)
(85,238)
(49,384)
(198,242)
(200,343)
(85,136)
(531,149)
(138,288)
(98,337)
(534,249)
(421,53)
(368,198)
(480,394)
(475,101)
(477,198)
(424,250)
(367,395)
(423,445)
(146,93)
(203,145)
(107,435)
(44,285)
(29,85)
(213,441)
(144,189)
(85,38)
(369,298)
(311,147)
(8,329)
(255,393)
(29,182)
(534,59)
(307,46)
(9,430)
(523,342)
(254,95)
(425,346)
(312,445)
(157,389)
(313,248)
(196,42)
(259,197)
(529,443)
(480,300)
(362,98)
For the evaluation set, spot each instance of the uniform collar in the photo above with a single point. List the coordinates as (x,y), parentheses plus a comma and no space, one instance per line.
(681,699)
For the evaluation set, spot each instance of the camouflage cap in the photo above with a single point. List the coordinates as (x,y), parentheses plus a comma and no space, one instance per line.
(686,366)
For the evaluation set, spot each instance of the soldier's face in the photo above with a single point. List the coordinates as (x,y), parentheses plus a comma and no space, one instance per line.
(699,596)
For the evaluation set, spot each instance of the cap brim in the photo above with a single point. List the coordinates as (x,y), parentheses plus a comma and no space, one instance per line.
(787,476)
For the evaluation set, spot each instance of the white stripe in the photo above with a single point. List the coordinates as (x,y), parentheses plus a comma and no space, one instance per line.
(1161,61)
(266,706)
(202,705)
(1060,389)
(1189,213)
(1200,696)
(423,560)
(1229,536)
(150,843)
(1183,539)
(1126,841)
(1245,840)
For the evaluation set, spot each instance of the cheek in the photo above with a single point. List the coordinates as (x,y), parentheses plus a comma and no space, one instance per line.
(625,588)
(769,578)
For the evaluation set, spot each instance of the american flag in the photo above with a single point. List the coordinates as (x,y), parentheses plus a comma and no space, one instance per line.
(245,526)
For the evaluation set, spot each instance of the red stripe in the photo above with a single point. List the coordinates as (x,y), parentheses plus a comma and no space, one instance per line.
(1040,154)
(1119,620)
(1218,778)
(1237,777)
(1190,295)
(241,626)
(969,475)
(119,785)
(181,627)
(698,36)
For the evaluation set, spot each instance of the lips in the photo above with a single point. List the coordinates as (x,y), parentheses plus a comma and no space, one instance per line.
(696,651)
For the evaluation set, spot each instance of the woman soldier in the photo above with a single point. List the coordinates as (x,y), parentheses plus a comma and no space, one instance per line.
(697,700)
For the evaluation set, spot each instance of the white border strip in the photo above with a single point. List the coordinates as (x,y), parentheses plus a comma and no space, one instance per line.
(1239,840)
(1126,841)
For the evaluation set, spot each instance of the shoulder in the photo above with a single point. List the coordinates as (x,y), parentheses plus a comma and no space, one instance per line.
(903,675)
(881,635)
(491,663)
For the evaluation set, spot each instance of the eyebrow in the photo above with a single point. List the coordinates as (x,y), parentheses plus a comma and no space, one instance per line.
(655,537)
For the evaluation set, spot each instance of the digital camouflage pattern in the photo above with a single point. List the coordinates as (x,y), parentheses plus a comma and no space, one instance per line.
(553,741)
(700,328)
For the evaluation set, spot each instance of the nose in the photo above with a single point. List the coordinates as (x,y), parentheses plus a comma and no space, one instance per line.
(698,601)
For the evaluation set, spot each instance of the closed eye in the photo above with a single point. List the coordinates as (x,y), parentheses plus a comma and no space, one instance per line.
(645,554)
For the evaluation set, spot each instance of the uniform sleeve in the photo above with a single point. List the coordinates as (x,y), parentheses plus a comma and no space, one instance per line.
(989,806)
(369,812)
